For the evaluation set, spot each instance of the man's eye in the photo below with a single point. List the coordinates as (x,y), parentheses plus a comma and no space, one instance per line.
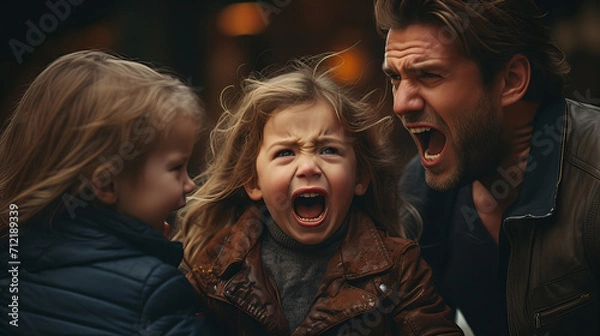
(394,78)
(428,75)
(285,152)
(178,167)
(329,151)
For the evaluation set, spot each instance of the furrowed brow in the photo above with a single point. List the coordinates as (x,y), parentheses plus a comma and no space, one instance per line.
(282,143)
(387,70)
(333,141)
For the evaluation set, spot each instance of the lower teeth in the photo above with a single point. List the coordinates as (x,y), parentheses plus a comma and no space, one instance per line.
(431,157)
(310,219)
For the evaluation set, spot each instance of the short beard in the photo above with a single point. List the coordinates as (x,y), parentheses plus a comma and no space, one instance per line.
(480,144)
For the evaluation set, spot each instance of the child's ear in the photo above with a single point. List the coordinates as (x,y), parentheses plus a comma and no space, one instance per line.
(362,184)
(515,79)
(105,186)
(253,191)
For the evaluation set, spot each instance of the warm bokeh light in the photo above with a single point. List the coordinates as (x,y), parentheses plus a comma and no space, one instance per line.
(241,19)
(349,65)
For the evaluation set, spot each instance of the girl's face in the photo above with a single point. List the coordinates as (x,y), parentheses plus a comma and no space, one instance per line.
(162,183)
(306,172)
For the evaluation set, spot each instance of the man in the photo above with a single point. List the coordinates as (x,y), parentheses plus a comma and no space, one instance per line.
(507,180)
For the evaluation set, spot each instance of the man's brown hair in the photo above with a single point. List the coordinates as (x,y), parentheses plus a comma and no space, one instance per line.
(490,32)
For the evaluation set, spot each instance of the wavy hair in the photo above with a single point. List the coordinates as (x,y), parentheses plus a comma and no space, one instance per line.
(490,32)
(236,140)
(86,110)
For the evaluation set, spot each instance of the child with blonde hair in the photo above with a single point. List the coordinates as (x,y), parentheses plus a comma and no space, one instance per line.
(295,227)
(93,161)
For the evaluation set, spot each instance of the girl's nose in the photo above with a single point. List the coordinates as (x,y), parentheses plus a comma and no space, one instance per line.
(308,167)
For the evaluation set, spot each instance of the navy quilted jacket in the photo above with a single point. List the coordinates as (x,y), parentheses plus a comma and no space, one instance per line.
(99,273)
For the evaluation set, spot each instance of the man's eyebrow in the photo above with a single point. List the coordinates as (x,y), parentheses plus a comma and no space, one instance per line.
(387,70)
(416,68)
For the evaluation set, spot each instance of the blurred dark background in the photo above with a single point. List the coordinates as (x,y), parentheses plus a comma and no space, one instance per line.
(214,43)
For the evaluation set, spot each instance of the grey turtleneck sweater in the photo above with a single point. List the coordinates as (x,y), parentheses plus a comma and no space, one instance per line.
(297,269)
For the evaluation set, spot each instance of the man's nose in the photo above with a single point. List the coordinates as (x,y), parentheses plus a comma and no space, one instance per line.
(407,98)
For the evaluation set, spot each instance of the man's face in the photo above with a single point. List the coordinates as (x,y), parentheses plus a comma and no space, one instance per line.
(438,94)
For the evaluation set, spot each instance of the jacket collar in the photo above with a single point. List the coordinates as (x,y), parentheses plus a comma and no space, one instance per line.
(537,198)
(241,238)
(362,252)
(102,232)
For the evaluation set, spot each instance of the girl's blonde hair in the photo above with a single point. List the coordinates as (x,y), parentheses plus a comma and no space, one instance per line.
(86,110)
(235,143)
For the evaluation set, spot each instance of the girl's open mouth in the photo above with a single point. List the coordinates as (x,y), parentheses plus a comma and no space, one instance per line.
(309,208)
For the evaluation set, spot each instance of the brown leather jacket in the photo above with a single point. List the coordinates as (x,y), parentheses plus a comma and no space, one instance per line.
(375,285)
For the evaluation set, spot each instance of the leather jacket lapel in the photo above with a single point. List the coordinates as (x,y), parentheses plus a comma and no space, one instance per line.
(363,253)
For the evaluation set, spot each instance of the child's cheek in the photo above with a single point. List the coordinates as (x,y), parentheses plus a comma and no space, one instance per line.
(280,201)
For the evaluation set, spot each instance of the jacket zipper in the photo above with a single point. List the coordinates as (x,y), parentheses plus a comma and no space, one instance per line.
(563,307)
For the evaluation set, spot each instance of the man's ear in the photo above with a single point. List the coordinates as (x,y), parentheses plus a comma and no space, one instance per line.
(362,184)
(105,185)
(515,79)
(253,190)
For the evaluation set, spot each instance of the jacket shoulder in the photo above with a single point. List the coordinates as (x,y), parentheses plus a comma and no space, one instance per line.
(583,147)
(397,245)
(401,250)
(168,304)
(418,308)
(583,135)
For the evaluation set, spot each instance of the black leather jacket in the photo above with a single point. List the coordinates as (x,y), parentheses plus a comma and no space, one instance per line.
(549,246)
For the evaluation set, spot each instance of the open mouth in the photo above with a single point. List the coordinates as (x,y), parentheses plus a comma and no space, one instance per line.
(309,207)
(431,141)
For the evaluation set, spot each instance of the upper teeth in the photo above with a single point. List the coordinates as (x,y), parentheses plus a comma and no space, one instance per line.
(417,130)
(307,195)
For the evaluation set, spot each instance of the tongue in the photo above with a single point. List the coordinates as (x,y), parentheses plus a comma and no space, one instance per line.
(436,142)
(309,209)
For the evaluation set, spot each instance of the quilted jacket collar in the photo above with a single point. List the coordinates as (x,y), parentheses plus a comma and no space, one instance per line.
(101,232)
